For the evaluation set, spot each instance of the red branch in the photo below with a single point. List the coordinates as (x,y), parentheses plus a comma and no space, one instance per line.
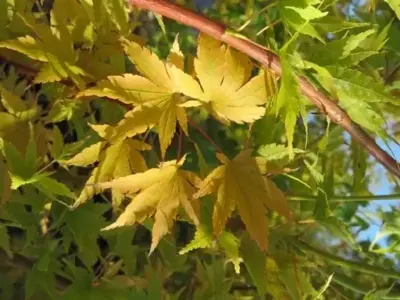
(271,61)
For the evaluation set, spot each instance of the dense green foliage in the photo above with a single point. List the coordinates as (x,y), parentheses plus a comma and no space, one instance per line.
(143,160)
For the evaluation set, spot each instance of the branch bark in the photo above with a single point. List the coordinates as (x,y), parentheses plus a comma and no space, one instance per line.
(271,61)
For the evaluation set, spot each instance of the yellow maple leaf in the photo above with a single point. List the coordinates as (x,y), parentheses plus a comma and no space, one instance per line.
(239,183)
(156,95)
(224,76)
(51,45)
(159,192)
(115,160)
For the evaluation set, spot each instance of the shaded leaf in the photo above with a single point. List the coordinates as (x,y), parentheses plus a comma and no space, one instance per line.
(51,187)
(254,260)
(239,183)
(340,230)
(5,241)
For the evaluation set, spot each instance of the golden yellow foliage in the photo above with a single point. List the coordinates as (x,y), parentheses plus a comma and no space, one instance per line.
(159,192)
(239,183)
(116,160)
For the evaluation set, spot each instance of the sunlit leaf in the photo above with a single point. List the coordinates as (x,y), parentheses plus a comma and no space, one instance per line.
(308,13)
(202,239)
(288,102)
(159,192)
(116,160)
(224,74)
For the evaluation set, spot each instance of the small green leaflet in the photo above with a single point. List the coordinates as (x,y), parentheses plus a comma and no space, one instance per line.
(230,244)
(227,241)
(203,238)
(276,152)
(358,95)
(308,13)
(354,41)
(254,260)
(347,51)
(318,177)
(297,14)
(288,102)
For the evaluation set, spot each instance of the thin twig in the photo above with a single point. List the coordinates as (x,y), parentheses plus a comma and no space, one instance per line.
(338,261)
(390,197)
(180,140)
(271,61)
(26,70)
(205,135)
(296,275)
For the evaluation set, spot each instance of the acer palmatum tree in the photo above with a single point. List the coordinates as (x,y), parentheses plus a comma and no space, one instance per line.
(143,159)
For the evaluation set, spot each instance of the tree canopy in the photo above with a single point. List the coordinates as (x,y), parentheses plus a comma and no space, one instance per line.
(154,149)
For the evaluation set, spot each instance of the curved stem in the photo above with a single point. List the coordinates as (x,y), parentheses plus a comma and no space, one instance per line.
(271,61)
(355,286)
(353,265)
(205,135)
(394,197)
(180,140)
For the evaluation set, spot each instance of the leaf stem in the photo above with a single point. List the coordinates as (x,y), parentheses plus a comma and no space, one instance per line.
(390,197)
(205,135)
(336,260)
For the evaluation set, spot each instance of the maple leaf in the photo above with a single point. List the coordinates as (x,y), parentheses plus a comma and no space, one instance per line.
(224,76)
(116,160)
(239,183)
(159,192)
(54,48)
(157,95)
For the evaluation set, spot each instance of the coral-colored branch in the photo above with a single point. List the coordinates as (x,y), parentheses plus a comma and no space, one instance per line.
(271,61)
